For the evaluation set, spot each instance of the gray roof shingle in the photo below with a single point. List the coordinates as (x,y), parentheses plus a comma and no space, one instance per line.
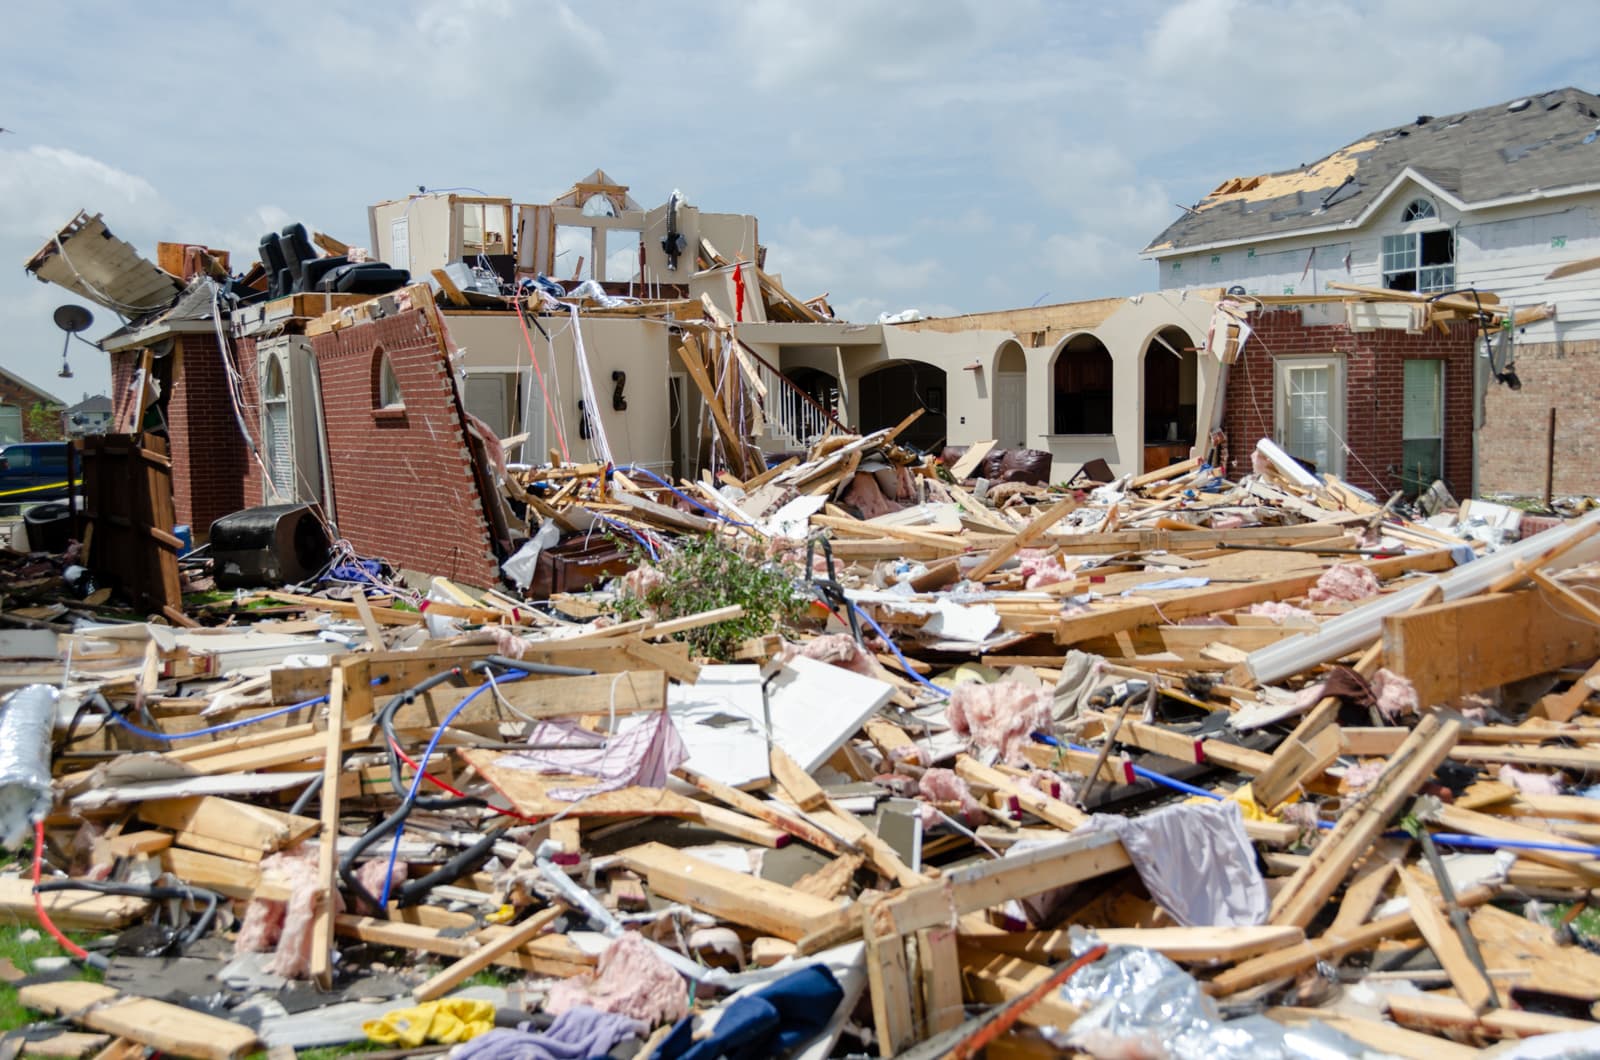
(1541,142)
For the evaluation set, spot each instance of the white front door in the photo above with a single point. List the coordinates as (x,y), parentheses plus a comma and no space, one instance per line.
(1310,411)
(1011,404)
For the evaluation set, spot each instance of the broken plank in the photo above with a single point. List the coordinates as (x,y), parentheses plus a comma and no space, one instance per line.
(1473,986)
(156,1024)
(734,896)
(448,978)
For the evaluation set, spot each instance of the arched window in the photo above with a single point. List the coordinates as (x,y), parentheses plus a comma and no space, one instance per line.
(599,205)
(275,430)
(385,384)
(1082,395)
(1418,210)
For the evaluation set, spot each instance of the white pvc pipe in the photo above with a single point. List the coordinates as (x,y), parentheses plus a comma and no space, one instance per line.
(1356,629)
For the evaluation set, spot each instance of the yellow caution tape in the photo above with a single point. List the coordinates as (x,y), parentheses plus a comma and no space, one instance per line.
(34,489)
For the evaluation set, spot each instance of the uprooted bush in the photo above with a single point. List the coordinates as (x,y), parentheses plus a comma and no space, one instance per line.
(702,574)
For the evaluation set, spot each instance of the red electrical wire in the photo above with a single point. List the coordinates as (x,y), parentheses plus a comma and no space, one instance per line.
(555,420)
(38,899)
(436,782)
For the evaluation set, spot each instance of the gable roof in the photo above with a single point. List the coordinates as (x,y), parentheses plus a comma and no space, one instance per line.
(41,396)
(1523,148)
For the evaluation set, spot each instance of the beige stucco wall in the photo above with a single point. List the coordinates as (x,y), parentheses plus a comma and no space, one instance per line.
(638,347)
(427,227)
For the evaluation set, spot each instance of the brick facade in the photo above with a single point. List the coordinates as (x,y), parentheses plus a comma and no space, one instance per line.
(1514,441)
(403,483)
(1374,376)
(24,397)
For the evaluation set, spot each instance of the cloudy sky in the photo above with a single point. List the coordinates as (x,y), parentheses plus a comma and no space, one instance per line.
(948,155)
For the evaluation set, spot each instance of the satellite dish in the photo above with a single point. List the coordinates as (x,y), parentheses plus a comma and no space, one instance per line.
(73,318)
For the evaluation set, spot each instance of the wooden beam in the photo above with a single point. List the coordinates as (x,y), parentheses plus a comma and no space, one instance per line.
(327,847)
(156,1024)
(1473,986)
(447,979)
(1481,642)
(746,900)
(1024,537)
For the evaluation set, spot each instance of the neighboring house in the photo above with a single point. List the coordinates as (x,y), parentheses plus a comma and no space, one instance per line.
(19,400)
(1493,200)
(92,415)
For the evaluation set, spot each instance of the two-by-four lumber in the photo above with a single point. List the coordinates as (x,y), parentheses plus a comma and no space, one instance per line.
(734,896)
(157,1024)
(448,978)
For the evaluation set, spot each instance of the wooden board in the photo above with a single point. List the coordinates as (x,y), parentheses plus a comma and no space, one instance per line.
(157,1024)
(71,910)
(1188,944)
(733,896)
(529,790)
(1481,642)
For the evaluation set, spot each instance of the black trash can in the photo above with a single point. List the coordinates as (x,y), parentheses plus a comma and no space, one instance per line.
(49,527)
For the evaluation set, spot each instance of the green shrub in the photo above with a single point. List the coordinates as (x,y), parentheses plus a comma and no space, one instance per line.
(703,574)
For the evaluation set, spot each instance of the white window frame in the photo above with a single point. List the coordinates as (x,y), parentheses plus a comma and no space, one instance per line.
(1336,404)
(1401,252)
(1444,370)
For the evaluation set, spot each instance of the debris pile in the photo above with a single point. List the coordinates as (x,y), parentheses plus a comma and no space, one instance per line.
(988,764)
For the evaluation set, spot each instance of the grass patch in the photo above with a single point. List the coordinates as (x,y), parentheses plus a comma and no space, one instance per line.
(1586,923)
(23,954)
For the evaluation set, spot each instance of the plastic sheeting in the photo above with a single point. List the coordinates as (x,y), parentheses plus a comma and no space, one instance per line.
(1137,1003)
(26,720)
(1195,860)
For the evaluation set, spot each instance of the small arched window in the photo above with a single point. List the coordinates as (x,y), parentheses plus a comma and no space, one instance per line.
(385,384)
(1418,210)
(599,205)
(273,388)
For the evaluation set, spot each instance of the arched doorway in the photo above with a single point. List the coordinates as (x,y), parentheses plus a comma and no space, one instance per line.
(1171,380)
(1010,402)
(893,392)
(1081,398)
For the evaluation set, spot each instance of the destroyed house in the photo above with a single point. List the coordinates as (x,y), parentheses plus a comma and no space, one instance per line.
(1500,204)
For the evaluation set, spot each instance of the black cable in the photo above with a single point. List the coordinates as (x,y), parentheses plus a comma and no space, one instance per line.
(153,892)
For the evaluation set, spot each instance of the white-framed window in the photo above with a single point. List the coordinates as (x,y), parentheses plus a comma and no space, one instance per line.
(1309,410)
(1422,433)
(275,429)
(1423,258)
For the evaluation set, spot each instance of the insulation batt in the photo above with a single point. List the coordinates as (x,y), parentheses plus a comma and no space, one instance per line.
(943,785)
(999,716)
(1344,581)
(630,980)
(836,649)
(1396,695)
(286,925)
(1279,611)
(1530,783)
(1040,568)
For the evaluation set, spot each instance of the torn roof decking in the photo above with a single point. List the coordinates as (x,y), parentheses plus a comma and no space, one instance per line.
(1475,156)
(86,259)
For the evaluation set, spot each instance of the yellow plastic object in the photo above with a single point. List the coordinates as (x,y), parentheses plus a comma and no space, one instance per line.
(445,1022)
(967,671)
(1248,806)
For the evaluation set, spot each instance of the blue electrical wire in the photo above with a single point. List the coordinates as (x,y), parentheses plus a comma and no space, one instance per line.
(1446,838)
(213,730)
(683,496)
(422,765)
(897,654)
(625,528)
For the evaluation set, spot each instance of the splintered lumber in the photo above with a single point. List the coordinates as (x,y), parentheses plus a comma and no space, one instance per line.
(328,845)
(1451,649)
(1352,838)
(1473,986)
(156,1024)
(1386,1038)
(1024,537)
(1307,751)
(1029,798)
(803,791)
(1472,822)
(997,978)
(256,829)
(1329,946)
(749,901)
(634,692)
(760,809)
(528,792)
(547,955)
(1436,1012)
(963,468)
(1507,940)
(1194,945)
(71,910)
(480,958)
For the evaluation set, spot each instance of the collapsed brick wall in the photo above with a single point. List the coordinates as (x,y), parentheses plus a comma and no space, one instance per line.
(1513,443)
(1374,379)
(403,484)
(212,472)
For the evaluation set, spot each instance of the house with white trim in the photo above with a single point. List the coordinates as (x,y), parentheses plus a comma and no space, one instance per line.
(1503,200)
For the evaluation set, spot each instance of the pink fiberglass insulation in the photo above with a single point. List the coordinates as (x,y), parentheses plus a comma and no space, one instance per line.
(1226,522)
(1279,611)
(864,495)
(630,979)
(286,925)
(836,649)
(1344,581)
(1259,464)
(1396,695)
(1530,783)
(942,785)
(1040,568)
(639,582)
(999,716)
(372,873)
(1360,777)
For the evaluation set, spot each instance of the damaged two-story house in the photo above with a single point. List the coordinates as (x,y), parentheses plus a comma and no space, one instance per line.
(1498,205)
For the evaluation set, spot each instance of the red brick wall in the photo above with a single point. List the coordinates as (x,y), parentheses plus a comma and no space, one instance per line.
(403,486)
(210,461)
(1514,440)
(1374,375)
(25,398)
(123,364)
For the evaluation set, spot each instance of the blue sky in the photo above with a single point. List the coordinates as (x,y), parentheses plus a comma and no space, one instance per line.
(948,155)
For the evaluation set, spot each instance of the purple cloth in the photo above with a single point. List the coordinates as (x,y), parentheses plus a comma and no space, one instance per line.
(644,755)
(576,1034)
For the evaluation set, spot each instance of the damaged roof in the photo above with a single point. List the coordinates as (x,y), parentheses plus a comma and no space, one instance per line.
(1535,144)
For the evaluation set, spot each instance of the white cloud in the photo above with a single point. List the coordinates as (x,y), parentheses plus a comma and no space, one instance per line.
(43,186)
